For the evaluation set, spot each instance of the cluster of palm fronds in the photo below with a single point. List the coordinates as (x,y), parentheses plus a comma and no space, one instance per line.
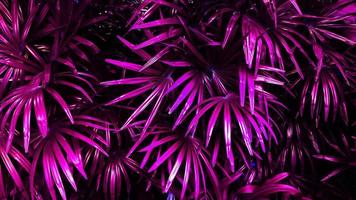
(218,99)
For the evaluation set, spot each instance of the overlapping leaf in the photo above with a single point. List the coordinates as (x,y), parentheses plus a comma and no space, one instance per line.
(30,99)
(9,168)
(184,160)
(61,149)
(248,124)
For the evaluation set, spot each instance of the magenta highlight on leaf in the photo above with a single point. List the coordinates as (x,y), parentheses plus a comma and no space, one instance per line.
(177,99)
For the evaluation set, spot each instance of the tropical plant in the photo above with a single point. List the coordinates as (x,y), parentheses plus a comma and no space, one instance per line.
(183,99)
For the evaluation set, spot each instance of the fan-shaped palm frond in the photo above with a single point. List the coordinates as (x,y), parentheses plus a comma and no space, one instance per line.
(183,158)
(248,123)
(295,156)
(61,149)
(111,173)
(324,92)
(24,98)
(22,24)
(9,169)
(153,81)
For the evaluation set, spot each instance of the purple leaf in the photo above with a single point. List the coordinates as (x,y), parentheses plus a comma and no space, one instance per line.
(230,27)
